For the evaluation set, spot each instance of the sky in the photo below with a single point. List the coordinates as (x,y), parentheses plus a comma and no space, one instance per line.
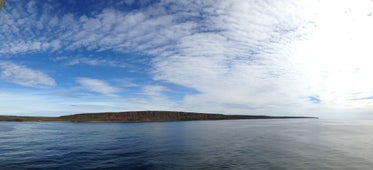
(275,57)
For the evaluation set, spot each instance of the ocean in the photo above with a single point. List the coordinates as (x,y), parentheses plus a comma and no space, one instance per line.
(225,144)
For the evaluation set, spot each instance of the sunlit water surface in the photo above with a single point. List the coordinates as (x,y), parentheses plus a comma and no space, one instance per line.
(230,144)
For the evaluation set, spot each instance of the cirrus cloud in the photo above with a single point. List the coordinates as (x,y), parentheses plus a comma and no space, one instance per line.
(24,76)
(97,86)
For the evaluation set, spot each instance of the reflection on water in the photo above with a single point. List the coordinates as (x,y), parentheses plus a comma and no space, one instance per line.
(228,144)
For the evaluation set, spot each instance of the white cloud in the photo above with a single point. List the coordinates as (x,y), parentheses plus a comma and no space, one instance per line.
(238,63)
(95,62)
(153,90)
(24,76)
(98,86)
(247,57)
(268,59)
(110,29)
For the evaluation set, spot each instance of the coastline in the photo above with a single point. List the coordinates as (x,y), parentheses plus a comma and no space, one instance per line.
(142,116)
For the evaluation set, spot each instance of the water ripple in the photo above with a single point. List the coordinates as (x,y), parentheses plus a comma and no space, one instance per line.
(244,144)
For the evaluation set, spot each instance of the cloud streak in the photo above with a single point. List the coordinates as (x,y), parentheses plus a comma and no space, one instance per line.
(97,86)
(24,76)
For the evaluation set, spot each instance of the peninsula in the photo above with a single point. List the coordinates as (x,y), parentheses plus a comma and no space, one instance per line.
(142,116)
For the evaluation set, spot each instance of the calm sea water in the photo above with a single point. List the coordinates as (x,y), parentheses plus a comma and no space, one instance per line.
(231,144)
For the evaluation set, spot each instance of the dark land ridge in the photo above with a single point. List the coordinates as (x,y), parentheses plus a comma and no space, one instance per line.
(142,116)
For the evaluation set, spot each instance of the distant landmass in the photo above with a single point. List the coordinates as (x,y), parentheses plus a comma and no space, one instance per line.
(142,116)
(2,2)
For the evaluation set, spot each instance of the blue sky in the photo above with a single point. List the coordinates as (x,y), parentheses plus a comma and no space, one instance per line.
(233,57)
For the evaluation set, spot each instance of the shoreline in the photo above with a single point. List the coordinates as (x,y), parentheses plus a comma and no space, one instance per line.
(142,116)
